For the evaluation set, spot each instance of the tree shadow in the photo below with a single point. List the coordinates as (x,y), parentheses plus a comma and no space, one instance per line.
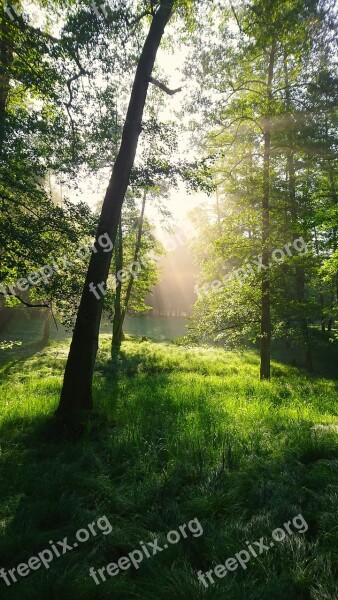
(11,357)
(324,350)
(148,463)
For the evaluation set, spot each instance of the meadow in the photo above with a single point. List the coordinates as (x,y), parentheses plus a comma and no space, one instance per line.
(178,433)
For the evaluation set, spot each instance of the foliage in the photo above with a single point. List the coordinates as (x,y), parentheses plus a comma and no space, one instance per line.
(146,274)
(230,72)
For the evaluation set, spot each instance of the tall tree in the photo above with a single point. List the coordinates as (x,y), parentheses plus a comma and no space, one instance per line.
(266,310)
(140,251)
(120,313)
(269,170)
(76,392)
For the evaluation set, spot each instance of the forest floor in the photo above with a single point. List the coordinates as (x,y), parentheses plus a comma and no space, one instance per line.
(179,434)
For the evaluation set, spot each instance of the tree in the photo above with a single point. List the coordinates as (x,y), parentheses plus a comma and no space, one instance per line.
(76,392)
(266,310)
(257,121)
(34,132)
(136,254)
(50,127)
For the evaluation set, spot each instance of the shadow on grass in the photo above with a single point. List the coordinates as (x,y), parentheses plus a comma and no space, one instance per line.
(13,356)
(324,348)
(152,459)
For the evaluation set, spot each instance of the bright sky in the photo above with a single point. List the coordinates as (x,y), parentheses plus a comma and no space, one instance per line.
(180,202)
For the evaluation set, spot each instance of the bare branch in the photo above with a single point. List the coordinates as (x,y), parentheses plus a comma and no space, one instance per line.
(229,174)
(138,18)
(163,87)
(9,293)
(235,326)
(239,119)
(236,18)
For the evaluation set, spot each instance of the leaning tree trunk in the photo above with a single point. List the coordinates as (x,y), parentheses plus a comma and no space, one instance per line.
(76,394)
(266,310)
(118,330)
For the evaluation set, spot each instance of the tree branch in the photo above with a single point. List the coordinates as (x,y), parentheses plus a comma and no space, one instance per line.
(236,18)
(235,326)
(9,293)
(138,18)
(163,87)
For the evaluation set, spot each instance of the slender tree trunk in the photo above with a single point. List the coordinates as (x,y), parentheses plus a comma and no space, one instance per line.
(300,271)
(6,316)
(332,179)
(76,393)
(118,334)
(218,212)
(46,329)
(117,320)
(322,319)
(266,311)
(321,296)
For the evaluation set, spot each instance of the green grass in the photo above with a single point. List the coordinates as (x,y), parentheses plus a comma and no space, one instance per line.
(180,433)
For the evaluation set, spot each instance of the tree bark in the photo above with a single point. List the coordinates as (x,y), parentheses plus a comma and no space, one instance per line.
(76,394)
(266,310)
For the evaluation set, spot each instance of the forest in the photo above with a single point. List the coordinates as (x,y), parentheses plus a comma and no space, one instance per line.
(168,299)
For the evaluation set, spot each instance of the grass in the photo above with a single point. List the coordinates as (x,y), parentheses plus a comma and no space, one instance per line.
(180,433)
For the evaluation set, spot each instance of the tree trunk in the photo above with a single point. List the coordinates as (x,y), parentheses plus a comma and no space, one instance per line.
(6,316)
(119,332)
(322,318)
(332,179)
(46,329)
(218,212)
(76,394)
(117,320)
(300,271)
(266,311)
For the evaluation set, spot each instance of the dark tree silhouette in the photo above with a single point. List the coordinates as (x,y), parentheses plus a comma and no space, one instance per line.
(76,394)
